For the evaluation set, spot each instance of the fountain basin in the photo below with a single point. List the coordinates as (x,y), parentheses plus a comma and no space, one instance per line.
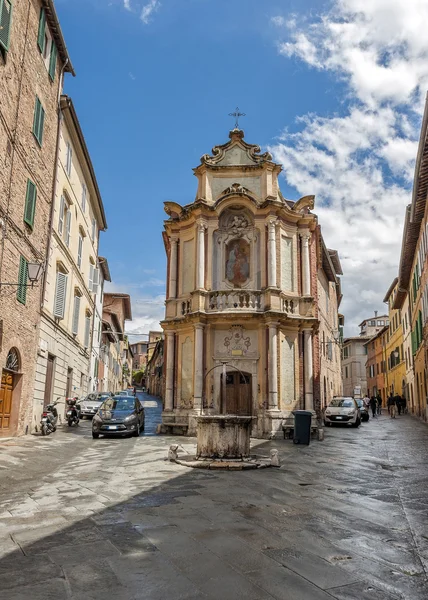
(223,436)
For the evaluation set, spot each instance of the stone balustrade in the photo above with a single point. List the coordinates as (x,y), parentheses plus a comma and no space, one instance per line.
(234,300)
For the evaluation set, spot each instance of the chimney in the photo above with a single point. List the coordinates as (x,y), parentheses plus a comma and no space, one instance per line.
(375,314)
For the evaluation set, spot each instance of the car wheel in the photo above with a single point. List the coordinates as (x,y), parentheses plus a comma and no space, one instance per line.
(44,430)
(357,422)
(95,436)
(137,431)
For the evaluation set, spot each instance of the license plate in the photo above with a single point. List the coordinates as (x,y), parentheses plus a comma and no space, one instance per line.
(339,418)
(112,426)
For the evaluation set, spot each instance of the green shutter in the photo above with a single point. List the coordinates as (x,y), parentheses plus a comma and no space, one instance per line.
(30,203)
(52,62)
(5,23)
(42,28)
(21,293)
(39,121)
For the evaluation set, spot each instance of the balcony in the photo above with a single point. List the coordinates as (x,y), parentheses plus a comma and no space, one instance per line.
(235,301)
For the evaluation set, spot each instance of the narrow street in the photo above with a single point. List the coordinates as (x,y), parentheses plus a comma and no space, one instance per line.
(87,519)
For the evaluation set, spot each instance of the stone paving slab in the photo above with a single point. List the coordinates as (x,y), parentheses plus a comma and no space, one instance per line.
(345,518)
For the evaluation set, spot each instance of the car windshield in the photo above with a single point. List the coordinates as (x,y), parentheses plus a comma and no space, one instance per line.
(360,403)
(342,402)
(119,403)
(102,398)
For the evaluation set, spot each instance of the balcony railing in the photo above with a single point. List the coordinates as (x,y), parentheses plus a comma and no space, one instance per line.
(235,300)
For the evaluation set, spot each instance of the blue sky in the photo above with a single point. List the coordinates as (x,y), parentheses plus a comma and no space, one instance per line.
(155,83)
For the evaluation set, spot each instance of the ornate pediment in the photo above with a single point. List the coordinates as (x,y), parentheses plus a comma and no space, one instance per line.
(236,153)
(235,188)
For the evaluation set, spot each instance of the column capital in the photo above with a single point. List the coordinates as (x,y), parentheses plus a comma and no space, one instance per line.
(272,223)
(273,324)
(173,238)
(305,235)
(199,326)
(202,226)
(169,333)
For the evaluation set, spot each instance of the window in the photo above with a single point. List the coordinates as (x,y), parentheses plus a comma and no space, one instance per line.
(5,21)
(372,323)
(93,229)
(21,293)
(41,39)
(30,204)
(346,372)
(46,45)
(346,352)
(68,159)
(64,221)
(79,251)
(87,330)
(39,121)
(84,192)
(76,312)
(60,295)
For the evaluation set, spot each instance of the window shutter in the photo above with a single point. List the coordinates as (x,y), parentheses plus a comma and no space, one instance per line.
(87,331)
(39,121)
(52,61)
(61,216)
(76,311)
(67,227)
(95,280)
(93,230)
(91,277)
(68,159)
(30,203)
(5,23)
(79,251)
(42,28)
(21,293)
(60,295)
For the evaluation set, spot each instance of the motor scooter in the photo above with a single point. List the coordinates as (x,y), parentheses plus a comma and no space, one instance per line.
(49,418)
(73,412)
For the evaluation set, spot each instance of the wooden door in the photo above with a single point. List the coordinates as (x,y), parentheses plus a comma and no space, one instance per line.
(48,383)
(238,394)
(6,390)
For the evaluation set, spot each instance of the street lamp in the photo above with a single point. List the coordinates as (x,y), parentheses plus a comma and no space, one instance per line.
(34,272)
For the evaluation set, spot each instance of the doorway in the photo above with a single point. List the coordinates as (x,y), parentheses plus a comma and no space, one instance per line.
(69,382)
(238,394)
(47,399)
(6,391)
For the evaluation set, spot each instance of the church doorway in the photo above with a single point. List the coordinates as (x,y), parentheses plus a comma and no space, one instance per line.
(238,394)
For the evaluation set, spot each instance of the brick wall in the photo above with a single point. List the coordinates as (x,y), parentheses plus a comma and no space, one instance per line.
(23,75)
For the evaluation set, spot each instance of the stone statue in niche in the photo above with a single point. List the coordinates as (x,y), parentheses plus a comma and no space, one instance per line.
(238,262)
(238,225)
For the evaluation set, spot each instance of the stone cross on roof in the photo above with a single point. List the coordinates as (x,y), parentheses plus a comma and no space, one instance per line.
(237,114)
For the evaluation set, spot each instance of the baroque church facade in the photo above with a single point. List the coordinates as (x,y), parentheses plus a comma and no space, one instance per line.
(243,315)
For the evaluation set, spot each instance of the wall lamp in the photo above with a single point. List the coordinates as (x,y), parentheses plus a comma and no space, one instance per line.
(34,272)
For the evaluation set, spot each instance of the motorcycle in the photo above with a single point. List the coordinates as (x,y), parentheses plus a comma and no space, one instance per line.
(73,412)
(49,418)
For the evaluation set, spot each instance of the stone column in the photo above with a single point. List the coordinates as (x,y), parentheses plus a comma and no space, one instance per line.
(200,272)
(273,366)
(306,264)
(173,268)
(169,387)
(271,254)
(199,365)
(308,369)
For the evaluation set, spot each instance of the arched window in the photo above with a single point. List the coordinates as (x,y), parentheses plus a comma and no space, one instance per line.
(13,362)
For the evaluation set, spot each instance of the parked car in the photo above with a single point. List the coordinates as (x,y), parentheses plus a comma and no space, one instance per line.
(120,414)
(90,405)
(365,416)
(127,392)
(343,409)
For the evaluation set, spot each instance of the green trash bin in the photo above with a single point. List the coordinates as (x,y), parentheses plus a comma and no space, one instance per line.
(302,426)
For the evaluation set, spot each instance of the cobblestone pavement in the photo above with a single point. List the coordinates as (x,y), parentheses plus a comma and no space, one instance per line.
(87,519)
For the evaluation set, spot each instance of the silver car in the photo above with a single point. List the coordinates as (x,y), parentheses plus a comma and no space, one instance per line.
(90,405)
(343,409)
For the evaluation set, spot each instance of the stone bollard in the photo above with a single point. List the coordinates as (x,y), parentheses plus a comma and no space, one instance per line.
(320,434)
(274,458)
(173,453)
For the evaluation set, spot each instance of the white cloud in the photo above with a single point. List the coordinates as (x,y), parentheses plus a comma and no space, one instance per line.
(360,163)
(147,310)
(127,4)
(148,10)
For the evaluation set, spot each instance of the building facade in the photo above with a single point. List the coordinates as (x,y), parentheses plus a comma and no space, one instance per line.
(354,358)
(394,350)
(241,323)
(372,326)
(33,60)
(72,274)
(376,366)
(96,382)
(116,310)
(412,288)
(155,376)
(139,350)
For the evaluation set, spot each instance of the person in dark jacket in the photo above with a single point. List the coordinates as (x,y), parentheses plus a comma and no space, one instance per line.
(373,405)
(403,404)
(391,406)
(379,404)
(397,399)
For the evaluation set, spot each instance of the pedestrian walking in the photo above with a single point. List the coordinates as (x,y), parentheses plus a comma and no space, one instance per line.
(397,399)
(373,405)
(391,406)
(366,401)
(379,404)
